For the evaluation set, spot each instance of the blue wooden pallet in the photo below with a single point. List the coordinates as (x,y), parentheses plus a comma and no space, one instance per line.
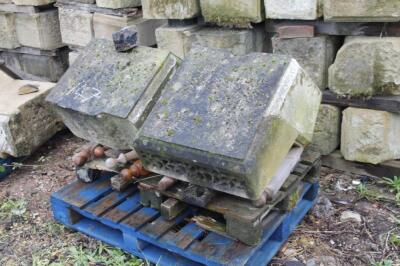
(6,165)
(119,219)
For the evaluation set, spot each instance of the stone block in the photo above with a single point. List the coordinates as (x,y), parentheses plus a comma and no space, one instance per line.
(76,26)
(370,136)
(8,33)
(314,54)
(113,4)
(39,30)
(326,137)
(26,121)
(72,56)
(367,66)
(226,122)
(238,13)
(106,25)
(362,10)
(293,9)
(237,41)
(105,96)
(125,39)
(37,67)
(170,9)
(33,2)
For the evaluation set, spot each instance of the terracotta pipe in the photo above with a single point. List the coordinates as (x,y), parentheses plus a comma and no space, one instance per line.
(165,183)
(122,159)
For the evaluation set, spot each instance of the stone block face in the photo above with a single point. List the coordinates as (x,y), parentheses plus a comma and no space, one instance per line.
(367,66)
(72,56)
(76,27)
(170,9)
(39,30)
(8,33)
(370,136)
(293,9)
(326,137)
(39,67)
(106,25)
(105,96)
(314,54)
(362,10)
(238,13)
(118,3)
(26,121)
(226,122)
(33,2)
(172,38)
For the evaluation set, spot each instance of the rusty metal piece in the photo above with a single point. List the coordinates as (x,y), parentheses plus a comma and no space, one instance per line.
(165,183)
(171,208)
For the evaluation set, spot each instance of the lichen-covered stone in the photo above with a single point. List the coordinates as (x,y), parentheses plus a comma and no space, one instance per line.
(238,13)
(106,25)
(227,122)
(26,121)
(8,33)
(326,137)
(113,4)
(315,54)
(33,2)
(105,96)
(362,10)
(76,26)
(370,136)
(170,9)
(39,30)
(367,66)
(293,9)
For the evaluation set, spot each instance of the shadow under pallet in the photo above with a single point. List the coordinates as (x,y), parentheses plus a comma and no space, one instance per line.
(119,219)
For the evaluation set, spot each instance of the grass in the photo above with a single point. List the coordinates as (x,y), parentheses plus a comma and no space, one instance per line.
(384,263)
(10,208)
(392,184)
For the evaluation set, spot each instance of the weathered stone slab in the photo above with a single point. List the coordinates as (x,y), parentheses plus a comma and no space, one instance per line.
(33,2)
(26,121)
(227,122)
(326,137)
(362,10)
(238,13)
(72,56)
(293,9)
(114,4)
(105,96)
(76,26)
(314,54)
(367,66)
(37,67)
(106,25)
(39,30)
(8,33)
(170,9)
(370,136)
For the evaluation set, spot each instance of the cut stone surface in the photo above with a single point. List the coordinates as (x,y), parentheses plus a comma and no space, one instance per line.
(72,57)
(170,9)
(314,54)
(33,2)
(370,136)
(26,121)
(125,39)
(76,26)
(106,25)
(39,30)
(362,10)
(239,13)
(326,137)
(105,96)
(367,66)
(37,67)
(8,33)
(227,122)
(118,3)
(293,9)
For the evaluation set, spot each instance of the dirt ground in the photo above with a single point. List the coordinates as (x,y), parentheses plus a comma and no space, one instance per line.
(356,220)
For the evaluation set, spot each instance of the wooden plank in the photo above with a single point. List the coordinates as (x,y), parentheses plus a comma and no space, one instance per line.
(386,169)
(381,103)
(140,218)
(185,237)
(92,8)
(127,207)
